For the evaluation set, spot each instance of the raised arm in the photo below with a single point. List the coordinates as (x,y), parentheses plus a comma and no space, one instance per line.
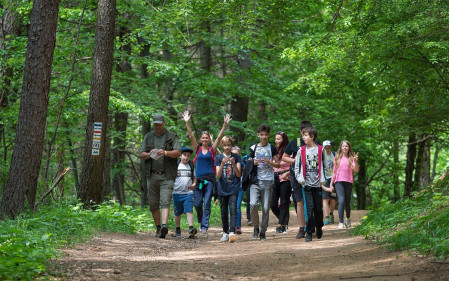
(192,138)
(226,120)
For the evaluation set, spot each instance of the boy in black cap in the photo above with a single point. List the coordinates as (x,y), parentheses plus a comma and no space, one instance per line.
(183,192)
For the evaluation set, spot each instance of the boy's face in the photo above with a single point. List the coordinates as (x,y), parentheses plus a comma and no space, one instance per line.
(185,157)
(307,138)
(263,137)
(328,149)
(227,146)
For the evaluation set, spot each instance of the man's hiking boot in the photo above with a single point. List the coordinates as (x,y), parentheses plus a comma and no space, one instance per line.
(158,233)
(278,229)
(164,231)
(256,233)
(262,236)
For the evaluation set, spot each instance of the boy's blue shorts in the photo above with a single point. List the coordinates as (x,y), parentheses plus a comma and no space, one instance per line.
(183,203)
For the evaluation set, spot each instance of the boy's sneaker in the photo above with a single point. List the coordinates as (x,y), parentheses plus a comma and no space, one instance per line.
(319,233)
(301,234)
(256,233)
(348,222)
(225,237)
(308,237)
(341,225)
(249,223)
(164,231)
(278,229)
(238,230)
(232,237)
(192,232)
(313,234)
(262,236)
(284,228)
(327,221)
(203,231)
(178,234)
(331,218)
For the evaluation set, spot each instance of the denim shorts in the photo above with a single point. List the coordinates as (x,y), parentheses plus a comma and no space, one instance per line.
(183,203)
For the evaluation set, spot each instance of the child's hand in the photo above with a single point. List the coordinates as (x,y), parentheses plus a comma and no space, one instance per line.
(216,202)
(356,156)
(232,159)
(256,161)
(192,187)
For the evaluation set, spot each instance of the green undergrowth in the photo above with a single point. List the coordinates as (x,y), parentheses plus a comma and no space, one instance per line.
(33,238)
(420,223)
(29,241)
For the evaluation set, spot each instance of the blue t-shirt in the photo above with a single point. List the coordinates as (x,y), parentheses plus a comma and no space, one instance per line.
(204,164)
(228,183)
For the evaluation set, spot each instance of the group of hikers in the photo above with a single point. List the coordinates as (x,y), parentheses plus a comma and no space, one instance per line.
(300,170)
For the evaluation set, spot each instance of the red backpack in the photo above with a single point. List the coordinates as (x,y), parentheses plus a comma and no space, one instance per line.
(198,150)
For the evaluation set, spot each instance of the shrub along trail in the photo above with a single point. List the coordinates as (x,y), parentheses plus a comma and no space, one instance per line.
(337,256)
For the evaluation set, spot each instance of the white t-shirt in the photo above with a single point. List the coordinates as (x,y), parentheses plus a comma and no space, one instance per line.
(328,164)
(183,179)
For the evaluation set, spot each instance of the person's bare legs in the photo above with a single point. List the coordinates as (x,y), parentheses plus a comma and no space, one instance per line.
(189,218)
(300,213)
(165,213)
(156,217)
(326,207)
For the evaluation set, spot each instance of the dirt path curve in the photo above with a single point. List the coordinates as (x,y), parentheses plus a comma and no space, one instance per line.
(337,256)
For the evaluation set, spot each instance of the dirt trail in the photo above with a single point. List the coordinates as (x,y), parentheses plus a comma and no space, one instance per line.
(337,256)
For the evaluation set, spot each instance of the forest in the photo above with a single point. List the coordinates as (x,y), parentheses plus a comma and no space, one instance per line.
(373,72)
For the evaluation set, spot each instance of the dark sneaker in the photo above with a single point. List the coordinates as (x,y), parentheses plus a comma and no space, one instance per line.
(278,229)
(249,223)
(284,228)
(301,234)
(178,234)
(164,231)
(238,230)
(331,218)
(192,232)
(256,233)
(319,233)
(158,233)
(314,234)
(308,237)
(262,236)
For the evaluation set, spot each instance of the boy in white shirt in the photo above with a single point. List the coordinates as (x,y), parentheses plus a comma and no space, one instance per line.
(183,192)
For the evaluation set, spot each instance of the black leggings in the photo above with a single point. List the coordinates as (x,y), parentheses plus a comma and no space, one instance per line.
(344,194)
(283,191)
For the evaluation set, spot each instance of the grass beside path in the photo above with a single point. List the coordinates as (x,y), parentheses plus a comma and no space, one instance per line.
(420,223)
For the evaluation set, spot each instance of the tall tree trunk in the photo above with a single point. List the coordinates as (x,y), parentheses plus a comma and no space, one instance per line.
(118,183)
(360,187)
(26,159)
(240,102)
(410,165)
(9,28)
(262,112)
(419,159)
(424,179)
(396,184)
(435,161)
(107,163)
(146,128)
(74,166)
(92,174)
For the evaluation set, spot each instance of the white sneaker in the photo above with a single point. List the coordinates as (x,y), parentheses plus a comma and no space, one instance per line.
(348,222)
(225,237)
(341,225)
(232,237)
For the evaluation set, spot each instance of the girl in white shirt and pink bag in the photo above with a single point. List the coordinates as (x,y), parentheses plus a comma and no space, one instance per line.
(345,164)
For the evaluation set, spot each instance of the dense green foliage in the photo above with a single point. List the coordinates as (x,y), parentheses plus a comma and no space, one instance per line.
(28,242)
(420,223)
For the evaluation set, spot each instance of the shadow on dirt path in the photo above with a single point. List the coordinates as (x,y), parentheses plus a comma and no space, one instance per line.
(337,256)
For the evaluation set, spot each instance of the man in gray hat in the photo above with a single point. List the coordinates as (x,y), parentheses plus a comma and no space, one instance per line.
(160,150)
